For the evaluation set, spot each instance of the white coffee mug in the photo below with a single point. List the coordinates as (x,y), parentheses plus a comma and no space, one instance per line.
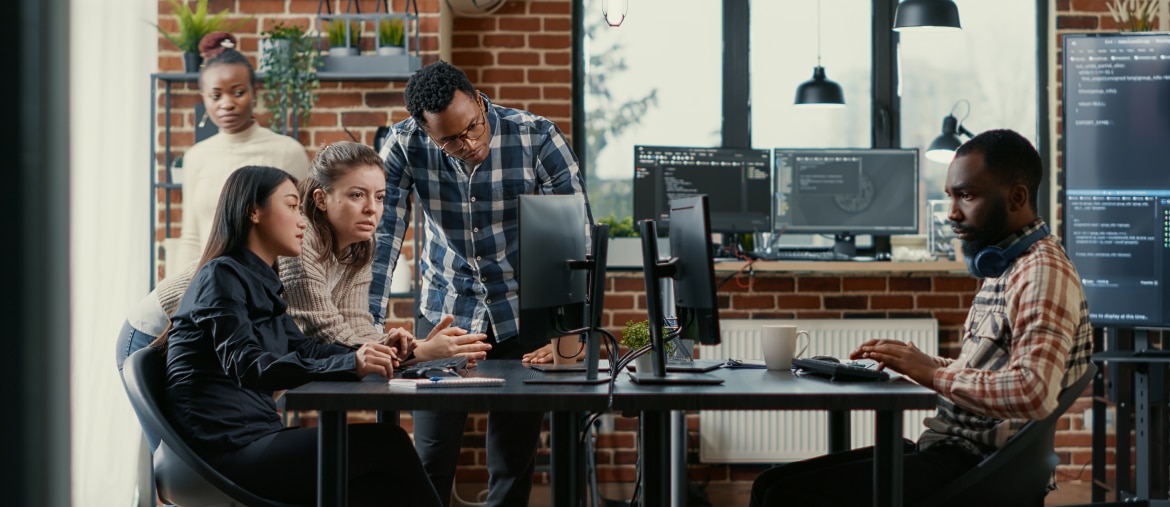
(779,344)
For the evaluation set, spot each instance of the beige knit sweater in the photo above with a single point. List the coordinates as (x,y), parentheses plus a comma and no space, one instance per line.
(341,315)
(206,167)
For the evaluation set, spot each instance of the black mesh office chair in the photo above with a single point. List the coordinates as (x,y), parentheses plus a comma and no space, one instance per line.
(1017,473)
(181,476)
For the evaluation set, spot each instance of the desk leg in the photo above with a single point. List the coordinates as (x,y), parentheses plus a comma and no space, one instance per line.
(887,459)
(839,439)
(389,417)
(331,459)
(654,434)
(566,459)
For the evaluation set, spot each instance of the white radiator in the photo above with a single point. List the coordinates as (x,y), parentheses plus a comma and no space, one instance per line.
(755,436)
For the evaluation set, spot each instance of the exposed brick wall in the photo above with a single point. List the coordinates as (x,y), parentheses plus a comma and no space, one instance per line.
(520,57)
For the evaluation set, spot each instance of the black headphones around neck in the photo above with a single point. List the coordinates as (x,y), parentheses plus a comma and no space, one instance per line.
(992,261)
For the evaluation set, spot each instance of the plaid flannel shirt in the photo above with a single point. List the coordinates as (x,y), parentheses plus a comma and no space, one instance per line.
(470,248)
(1026,338)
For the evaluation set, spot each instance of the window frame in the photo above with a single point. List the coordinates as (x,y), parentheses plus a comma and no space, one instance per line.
(886,104)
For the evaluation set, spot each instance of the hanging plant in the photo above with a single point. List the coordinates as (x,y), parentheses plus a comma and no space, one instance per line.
(290,77)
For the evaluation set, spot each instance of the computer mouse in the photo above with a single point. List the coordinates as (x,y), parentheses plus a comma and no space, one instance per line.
(437,372)
(830,359)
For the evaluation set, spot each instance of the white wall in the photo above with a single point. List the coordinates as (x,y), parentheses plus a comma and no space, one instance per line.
(113,51)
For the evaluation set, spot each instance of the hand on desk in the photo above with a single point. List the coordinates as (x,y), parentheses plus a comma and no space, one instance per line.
(902,357)
(448,341)
(374,357)
(401,341)
(539,356)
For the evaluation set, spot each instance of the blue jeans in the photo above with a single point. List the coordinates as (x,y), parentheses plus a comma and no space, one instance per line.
(512,440)
(129,341)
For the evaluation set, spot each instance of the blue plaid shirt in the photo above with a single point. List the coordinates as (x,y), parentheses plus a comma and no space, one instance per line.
(470,247)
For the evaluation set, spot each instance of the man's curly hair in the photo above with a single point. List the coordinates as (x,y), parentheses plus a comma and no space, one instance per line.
(432,88)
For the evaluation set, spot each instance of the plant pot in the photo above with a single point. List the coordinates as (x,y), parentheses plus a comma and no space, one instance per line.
(343,51)
(391,50)
(272,50)
(644,364)
(192,61)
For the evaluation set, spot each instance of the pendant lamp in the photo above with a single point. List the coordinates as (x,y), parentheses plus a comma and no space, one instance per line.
(927,15)
(819,91)
(942,149)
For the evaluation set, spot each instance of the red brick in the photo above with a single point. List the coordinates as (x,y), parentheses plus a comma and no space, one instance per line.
(819,284)
(616,440)
(1062,6)
(558,24)
(550,41)
(338,99)
(557,92)
(866,283)
(955,284)
(480,24)
(1101,6)
(518,58)
(259,7)
(550,7)
(619,302)
(319,118)
(519,92)
(385,99)
(357,119)
(503,41)
(913,284)
(950,318)
(774,284)
(404,310)
(1076,22)
(798,302)
(629,284)
(891,302)
(937,301)
(465,41)
(551,111)
(749,302)
(618,473)
(477,58)
(177,138)
(502,76)
(846,302)
(558,58)
(520,24)
(550,76)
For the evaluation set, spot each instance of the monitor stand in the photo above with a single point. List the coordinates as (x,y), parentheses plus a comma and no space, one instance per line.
(844,243)
(589,374)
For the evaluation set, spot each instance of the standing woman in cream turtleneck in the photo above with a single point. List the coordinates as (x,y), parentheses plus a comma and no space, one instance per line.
(228,85)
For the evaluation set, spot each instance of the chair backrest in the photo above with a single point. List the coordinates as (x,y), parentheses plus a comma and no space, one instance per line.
(181,476)
(1018,472)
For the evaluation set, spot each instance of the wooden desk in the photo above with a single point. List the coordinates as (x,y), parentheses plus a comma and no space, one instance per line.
(754,389)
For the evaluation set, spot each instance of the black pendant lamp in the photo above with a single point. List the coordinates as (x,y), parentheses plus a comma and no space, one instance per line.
(942,149)
(927,15)
(819,91)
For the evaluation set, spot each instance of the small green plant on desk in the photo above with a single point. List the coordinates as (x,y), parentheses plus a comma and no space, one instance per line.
(636,335)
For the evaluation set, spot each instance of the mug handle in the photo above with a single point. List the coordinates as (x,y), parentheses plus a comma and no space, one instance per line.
(807,340)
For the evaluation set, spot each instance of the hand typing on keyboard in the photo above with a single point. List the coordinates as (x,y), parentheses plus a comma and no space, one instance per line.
(901,357)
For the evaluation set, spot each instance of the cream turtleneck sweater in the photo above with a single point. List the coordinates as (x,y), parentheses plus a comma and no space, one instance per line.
(206,167)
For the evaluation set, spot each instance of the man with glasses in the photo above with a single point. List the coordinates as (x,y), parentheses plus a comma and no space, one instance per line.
(466,161)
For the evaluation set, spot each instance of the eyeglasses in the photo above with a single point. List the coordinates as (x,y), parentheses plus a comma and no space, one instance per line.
(472,133)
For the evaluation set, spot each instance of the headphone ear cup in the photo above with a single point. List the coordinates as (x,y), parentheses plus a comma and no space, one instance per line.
(989,262)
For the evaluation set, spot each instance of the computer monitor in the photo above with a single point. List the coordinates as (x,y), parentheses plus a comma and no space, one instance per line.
(562,289)
(692,268)
(846,192)
(552,283)
(736,181)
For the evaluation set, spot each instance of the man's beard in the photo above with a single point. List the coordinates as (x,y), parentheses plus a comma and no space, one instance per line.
(991,232)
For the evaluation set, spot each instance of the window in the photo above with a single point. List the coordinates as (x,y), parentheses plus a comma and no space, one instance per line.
(654,80)
(658,80)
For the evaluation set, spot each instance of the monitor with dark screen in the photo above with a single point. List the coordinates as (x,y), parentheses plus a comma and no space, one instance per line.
(737,183)
(552,240)
(692,269)
(846,192)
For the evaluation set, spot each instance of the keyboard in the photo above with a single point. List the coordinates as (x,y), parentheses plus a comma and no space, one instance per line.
(852,371)
(805,255)
(453,364)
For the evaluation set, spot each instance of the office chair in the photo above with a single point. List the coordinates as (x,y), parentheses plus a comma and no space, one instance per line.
(1018,472)
(181,476)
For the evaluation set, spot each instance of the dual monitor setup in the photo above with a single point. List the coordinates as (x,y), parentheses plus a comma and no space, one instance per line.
(838,192)
(562,282)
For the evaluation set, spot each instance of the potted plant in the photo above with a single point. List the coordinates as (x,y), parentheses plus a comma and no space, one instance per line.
(339,44)
(636,335)
(290,76)
(391,33)
(193,25)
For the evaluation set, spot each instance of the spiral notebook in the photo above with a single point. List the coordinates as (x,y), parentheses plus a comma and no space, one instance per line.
(436,382)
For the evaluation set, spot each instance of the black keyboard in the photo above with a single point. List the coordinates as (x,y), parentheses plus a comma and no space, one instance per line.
(805,255)
(839,371)
(453,364)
